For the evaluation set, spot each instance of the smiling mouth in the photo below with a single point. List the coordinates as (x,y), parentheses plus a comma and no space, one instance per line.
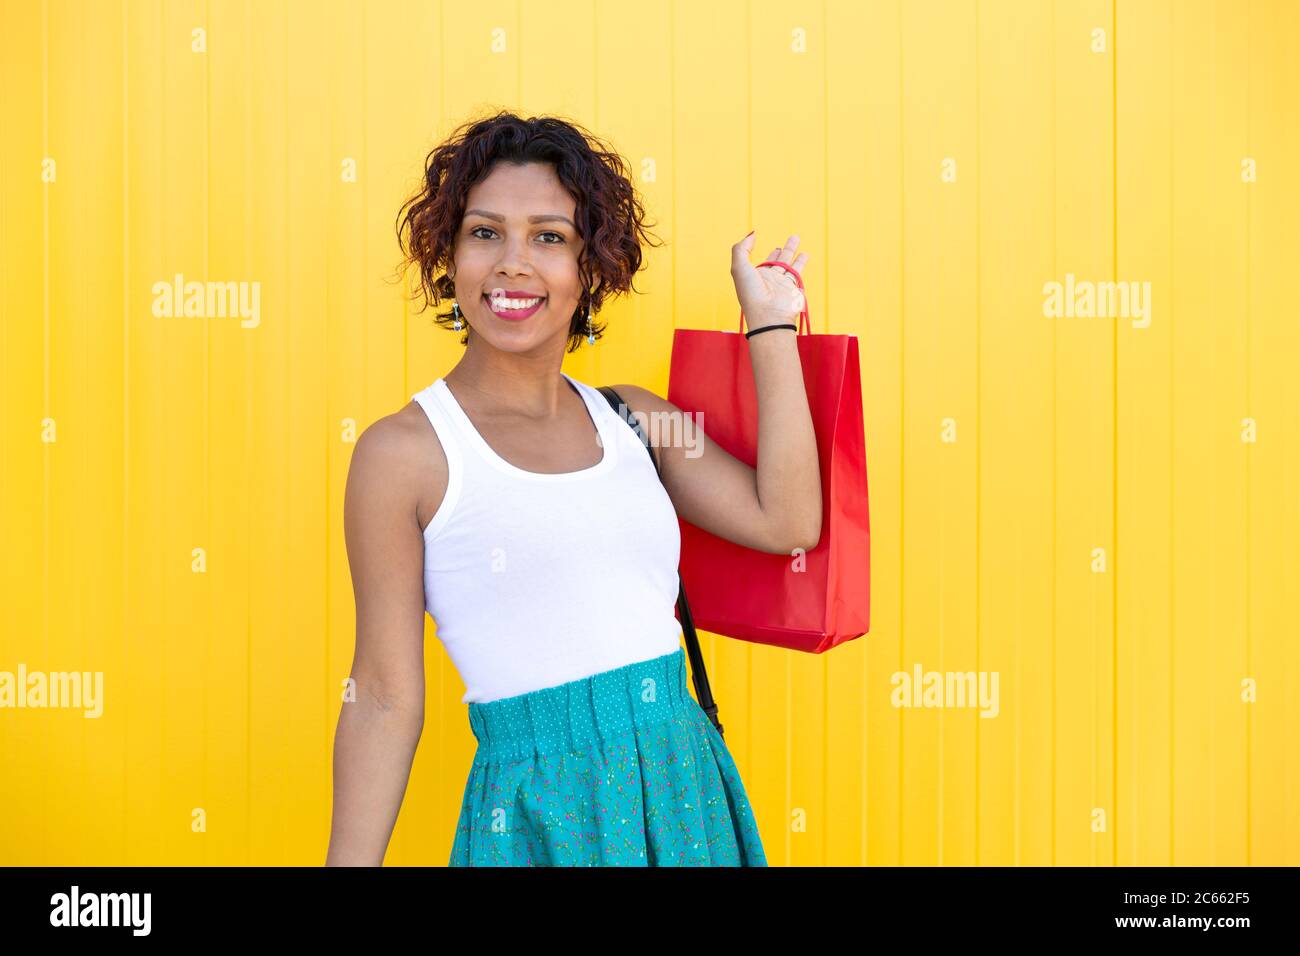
(512,312)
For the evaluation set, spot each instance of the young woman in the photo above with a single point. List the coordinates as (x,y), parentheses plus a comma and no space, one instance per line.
(511,503)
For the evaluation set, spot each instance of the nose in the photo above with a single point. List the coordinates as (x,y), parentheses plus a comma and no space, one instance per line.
(514,257)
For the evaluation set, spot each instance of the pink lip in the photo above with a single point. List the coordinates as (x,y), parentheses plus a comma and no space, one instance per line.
(514,315)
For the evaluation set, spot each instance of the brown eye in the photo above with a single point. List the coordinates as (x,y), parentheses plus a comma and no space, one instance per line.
(493,231)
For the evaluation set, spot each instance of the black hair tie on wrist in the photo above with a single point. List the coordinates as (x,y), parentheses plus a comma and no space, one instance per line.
(768,328)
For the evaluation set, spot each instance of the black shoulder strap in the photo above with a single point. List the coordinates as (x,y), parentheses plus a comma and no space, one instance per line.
(698,675)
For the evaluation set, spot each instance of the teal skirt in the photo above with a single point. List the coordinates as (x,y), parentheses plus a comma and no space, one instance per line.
(619,769)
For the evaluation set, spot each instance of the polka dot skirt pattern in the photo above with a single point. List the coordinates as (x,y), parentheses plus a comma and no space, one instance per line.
(619,769)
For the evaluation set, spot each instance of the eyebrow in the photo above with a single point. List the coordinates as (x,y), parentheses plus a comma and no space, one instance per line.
(497,217)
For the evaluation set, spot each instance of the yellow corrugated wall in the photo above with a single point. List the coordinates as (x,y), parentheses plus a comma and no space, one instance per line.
(1102,513)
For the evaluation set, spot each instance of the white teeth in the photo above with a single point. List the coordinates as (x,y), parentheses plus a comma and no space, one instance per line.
(499,303)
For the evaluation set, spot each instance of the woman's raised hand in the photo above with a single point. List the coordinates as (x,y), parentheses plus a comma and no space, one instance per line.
(768,296)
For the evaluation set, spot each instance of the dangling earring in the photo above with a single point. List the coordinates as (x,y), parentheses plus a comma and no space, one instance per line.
(591,339)
(455,306)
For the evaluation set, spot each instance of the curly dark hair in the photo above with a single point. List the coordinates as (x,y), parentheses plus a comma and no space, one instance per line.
(609,216)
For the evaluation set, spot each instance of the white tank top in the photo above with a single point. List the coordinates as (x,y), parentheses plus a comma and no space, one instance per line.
(534,580)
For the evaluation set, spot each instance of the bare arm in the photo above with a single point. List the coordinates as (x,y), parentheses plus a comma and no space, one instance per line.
(378,731)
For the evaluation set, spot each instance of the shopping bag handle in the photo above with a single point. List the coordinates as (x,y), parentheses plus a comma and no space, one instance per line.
(803,315)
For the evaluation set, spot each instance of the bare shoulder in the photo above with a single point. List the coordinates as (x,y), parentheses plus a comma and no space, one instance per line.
(665,416)
(399,457)
(401,443)
(667,427)
(640,399)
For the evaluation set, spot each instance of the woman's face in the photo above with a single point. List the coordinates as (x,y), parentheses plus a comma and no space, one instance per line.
(518,241)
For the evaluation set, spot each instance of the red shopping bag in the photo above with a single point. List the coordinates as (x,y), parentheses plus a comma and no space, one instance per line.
(808,603)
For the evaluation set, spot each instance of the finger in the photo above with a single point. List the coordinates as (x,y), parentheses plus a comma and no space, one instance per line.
(741,250)
(787,252)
